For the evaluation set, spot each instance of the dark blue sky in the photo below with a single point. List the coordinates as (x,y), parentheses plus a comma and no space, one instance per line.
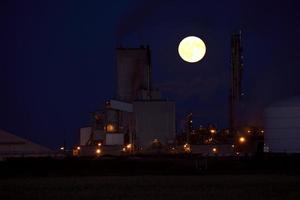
(58,58)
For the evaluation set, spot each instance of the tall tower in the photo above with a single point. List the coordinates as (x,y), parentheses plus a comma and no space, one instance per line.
(133,72)
(236,80)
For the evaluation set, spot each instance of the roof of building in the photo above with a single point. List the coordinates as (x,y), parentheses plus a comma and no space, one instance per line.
(13,145)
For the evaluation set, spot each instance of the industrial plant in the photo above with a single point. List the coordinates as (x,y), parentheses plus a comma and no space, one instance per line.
(143,100)
(138,121)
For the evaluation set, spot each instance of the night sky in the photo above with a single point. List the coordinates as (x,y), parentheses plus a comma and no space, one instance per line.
(58,59)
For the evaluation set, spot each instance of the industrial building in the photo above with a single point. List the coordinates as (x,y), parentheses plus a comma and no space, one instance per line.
(282,126)
(154,122)
(133,74)
(136,118)
(15,146)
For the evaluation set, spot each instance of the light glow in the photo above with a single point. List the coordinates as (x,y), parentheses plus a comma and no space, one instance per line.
(242,140)
(98,151)
(187,148)
(214,150)
(110,128)
(129,146)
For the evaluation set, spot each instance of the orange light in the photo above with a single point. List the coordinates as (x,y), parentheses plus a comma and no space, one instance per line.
(99,144)
(187,148)
(242,140)
(214,150)
(110,128)
(129,146)
(98,151)
(213,131)
(78,148)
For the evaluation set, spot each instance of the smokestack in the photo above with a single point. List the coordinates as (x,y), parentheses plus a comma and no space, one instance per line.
(236,80)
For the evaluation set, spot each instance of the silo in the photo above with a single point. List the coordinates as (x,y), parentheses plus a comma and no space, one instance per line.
(133,72)
(282,126)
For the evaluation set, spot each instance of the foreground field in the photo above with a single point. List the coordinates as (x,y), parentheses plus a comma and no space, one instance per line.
(153,187)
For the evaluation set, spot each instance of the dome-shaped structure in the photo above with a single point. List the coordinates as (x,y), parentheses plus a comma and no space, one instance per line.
(282,126)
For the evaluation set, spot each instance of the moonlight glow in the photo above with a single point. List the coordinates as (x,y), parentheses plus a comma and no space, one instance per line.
(191,49)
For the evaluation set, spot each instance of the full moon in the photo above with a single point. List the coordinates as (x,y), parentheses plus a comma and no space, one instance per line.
(191,49)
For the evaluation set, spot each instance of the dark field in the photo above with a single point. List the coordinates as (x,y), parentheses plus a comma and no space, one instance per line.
(153,187)
(151,178)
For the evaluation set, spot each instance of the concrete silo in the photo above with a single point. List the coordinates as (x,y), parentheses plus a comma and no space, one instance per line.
(133,72)
(282,126)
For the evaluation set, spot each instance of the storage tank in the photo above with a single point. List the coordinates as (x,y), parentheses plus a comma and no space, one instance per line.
(282,126)
(133,72)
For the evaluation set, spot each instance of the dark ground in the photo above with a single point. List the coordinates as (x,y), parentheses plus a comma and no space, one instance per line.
(151,178)
(206,187)
(148,165)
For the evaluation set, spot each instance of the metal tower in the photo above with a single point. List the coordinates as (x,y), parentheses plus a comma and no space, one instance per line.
(236,80)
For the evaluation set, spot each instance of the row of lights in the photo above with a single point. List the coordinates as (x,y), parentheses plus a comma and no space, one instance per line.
(98,149)
(186,147)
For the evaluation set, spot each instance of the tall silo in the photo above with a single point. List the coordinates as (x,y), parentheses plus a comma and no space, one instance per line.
(133,72)
(282,126)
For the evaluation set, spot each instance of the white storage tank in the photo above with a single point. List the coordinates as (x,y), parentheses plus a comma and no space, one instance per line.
(282,126)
